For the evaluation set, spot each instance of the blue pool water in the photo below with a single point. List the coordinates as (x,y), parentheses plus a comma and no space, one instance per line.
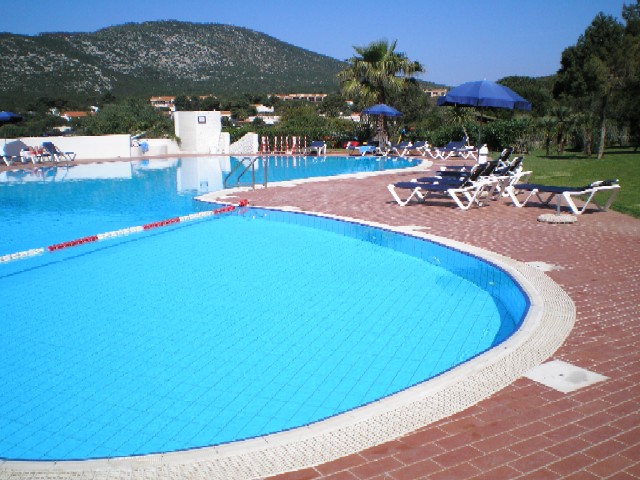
(281,168)
(42,206)
(231,327)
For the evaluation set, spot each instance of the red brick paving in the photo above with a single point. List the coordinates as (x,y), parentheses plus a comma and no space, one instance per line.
(526,430)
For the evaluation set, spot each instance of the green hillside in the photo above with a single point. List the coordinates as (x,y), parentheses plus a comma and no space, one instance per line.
(159,58)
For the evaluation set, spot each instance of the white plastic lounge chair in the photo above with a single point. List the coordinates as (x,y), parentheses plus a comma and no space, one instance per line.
(382,149)
(420,147)
(467,152)
(31,155)
(452,149)
(400,149)
(56,154)
(424,149)
(366,149)
(546,193)
(7,159)
(352,148)
(10,152)
(318,147)
(503,159)
(464,196)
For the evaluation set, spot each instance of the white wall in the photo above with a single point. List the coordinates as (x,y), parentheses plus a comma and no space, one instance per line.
(199,132)
(86,148)
(247,145)
(225,143)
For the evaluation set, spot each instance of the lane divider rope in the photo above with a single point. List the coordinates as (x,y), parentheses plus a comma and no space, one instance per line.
(119,233)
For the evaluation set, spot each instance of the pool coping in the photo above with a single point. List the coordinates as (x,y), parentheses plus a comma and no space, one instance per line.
(550,319)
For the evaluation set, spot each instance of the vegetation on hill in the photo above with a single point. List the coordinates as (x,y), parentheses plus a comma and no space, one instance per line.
(158,58)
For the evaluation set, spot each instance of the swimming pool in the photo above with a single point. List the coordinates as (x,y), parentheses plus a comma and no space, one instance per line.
(41,206)
(230,328)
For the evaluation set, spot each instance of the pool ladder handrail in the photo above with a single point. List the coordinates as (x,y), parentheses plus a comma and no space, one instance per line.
(252,166)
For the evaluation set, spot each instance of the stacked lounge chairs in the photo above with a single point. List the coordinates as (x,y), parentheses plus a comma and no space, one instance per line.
(469,186)
(467,189)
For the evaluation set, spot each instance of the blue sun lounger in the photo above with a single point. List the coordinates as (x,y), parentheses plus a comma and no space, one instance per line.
(56,154)
(546,193)
(453,149)
(400,149)
(318,147)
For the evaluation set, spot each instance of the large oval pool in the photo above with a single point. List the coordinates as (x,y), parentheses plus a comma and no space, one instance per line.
(230,328)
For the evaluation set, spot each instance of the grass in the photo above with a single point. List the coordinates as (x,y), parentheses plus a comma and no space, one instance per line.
(575,169)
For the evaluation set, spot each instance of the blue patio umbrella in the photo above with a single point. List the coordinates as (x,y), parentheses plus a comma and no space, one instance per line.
(484,93)
(9,117)
(381,110)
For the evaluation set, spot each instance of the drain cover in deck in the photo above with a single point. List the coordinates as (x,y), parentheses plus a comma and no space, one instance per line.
(563,376)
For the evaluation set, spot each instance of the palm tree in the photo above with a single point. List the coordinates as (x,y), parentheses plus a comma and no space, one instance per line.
(376,71)
(460,117)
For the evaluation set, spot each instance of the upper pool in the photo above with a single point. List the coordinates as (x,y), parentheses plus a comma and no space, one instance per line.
(281,168)
(40,206)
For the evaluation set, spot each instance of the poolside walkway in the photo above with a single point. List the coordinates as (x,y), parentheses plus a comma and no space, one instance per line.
(527,430)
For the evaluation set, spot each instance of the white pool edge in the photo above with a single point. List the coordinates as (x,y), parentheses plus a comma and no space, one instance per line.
(550,319)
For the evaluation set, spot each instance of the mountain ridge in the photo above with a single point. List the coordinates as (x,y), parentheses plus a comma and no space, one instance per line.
(160,57)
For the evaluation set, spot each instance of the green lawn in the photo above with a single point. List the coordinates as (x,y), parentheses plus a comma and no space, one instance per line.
(574,169)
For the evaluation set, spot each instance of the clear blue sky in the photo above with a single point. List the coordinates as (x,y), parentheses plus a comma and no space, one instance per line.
(456,40)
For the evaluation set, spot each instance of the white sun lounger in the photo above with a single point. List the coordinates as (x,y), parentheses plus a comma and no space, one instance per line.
(546,193)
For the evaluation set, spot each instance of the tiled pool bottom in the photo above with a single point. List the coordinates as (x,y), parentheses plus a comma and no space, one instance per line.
(352,431)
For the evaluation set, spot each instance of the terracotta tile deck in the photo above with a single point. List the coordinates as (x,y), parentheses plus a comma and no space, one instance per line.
(527,430)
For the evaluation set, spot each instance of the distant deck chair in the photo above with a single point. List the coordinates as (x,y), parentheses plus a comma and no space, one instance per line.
(318,147)
(382,149)
(424,149)
(546,193)
(56,154)
(420,147)
(370,147)
(452,149)
(400,149)
(352,148)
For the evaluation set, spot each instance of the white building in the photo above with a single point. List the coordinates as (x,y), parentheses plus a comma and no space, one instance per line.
(263,108)
(201,132)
